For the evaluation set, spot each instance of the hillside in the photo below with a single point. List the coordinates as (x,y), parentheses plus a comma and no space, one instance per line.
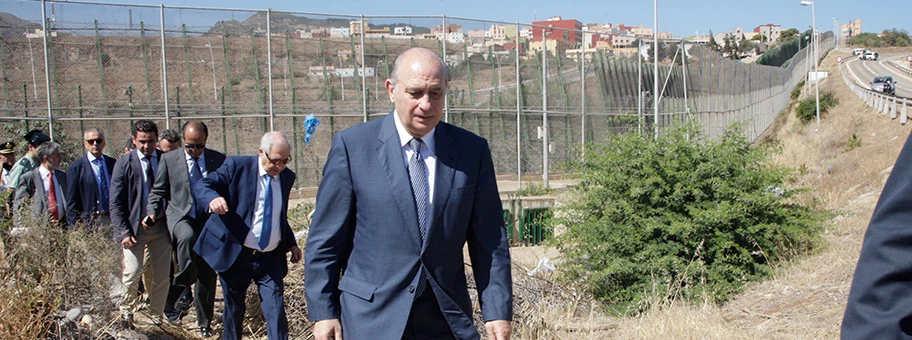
(13,28)
(282,22)
(806,298)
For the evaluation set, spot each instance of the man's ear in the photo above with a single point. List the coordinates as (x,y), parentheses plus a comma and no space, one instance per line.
(389,89)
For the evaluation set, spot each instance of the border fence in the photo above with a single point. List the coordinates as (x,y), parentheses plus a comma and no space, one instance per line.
(70,65)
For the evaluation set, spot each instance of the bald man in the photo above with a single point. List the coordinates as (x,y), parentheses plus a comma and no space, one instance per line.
(175,196)
(399,199)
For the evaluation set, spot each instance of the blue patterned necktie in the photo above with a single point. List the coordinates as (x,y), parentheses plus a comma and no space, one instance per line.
(102,185)
(419,181)
(196,175)
(266,231)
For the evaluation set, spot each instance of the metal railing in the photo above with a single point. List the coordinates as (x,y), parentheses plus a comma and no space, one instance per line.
(888,105)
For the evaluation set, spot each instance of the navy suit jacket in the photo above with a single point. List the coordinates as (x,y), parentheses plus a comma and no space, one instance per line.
(126,196)
(82,190)
(880,300)
(222,239)
(171,195)
(364,250)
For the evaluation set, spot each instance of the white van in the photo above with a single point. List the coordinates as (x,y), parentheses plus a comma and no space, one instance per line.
(858,51)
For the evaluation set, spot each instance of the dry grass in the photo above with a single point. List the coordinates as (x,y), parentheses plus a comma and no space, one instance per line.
(805,299)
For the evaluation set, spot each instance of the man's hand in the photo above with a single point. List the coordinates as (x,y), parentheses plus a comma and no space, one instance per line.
(498,329)
(218,206)
(128,242)
(296,254)
(148,222)
(329,329)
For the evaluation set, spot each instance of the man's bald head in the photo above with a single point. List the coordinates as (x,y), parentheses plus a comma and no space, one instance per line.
(411,54)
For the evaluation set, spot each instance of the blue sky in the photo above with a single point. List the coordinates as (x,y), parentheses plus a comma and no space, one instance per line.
(680,17)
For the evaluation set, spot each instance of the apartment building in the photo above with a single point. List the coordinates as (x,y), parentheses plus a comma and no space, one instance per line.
(769,32)
(565,30)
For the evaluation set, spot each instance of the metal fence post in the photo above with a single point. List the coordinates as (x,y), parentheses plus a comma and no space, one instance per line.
(518,113)
(545,108)
(47,69)
(161,14)
(446,99)
(269,66)
(364,98)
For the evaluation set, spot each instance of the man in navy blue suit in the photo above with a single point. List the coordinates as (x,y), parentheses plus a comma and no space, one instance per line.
(88,184)
(399,199)
(247,236)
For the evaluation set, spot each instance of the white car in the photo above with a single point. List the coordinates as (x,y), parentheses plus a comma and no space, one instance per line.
(869,55)
(858,51)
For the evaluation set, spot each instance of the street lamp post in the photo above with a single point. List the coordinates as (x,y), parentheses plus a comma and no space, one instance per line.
(814,40)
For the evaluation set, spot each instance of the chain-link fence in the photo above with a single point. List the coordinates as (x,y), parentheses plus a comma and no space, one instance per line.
(245,72)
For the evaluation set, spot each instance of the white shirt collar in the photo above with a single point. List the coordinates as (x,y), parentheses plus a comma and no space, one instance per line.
(199,159)
(43,171)
(260,166)
(91,157)
(405,137)
(141,155)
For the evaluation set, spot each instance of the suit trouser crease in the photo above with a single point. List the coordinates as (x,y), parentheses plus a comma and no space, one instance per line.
(191,268)
(265,270)
(155,246)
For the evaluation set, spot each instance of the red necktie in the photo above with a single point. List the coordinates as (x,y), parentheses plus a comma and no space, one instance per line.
(52,197)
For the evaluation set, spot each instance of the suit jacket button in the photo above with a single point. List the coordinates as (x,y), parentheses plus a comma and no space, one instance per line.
(411,289)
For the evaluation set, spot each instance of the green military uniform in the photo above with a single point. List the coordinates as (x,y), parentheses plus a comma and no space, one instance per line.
(22,165)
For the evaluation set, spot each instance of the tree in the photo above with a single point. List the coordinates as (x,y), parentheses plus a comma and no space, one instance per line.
(730,47)
(788,35)
(663,51)
(713,45)
(894,37)
(746,46)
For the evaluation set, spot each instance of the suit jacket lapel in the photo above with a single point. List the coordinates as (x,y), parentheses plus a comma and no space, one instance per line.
(389,152)
(443,179)
(252,174)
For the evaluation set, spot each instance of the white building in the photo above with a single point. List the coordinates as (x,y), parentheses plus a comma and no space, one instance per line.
(339,32)
(402,30)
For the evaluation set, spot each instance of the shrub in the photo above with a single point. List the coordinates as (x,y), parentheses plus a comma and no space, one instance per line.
(682,216)
(797,90)
(807,108)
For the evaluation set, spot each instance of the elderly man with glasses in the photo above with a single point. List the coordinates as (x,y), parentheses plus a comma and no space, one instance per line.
(248,238)
(175,196)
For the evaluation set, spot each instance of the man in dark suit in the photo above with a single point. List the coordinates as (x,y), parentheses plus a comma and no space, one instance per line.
(246,238)
(399,199)
(881,296)
(174,196)
(131,182)
(89,184)
(45,186)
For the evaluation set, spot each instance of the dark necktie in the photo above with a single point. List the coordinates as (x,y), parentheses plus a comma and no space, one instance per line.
(196,211)
(419,181)
(147,185)
(266,230)
(52,197)
(102,186)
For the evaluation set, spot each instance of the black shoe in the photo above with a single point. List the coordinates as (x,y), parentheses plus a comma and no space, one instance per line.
(205,332)
(176,315)
(183,303)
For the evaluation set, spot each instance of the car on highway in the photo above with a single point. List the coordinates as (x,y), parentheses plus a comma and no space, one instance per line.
(858,51)
(884,84)
(869,55)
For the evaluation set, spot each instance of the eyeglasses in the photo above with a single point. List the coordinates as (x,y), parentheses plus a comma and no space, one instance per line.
(195,146)
(277,161)
(96,140)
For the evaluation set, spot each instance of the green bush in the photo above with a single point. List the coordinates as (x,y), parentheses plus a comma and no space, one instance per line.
(797,90)
(807,108)
(683,216)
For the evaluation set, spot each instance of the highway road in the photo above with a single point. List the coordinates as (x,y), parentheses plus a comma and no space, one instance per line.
(864,72)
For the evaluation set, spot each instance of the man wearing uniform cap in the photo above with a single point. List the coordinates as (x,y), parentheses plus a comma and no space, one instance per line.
(34,138)
(7,159)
